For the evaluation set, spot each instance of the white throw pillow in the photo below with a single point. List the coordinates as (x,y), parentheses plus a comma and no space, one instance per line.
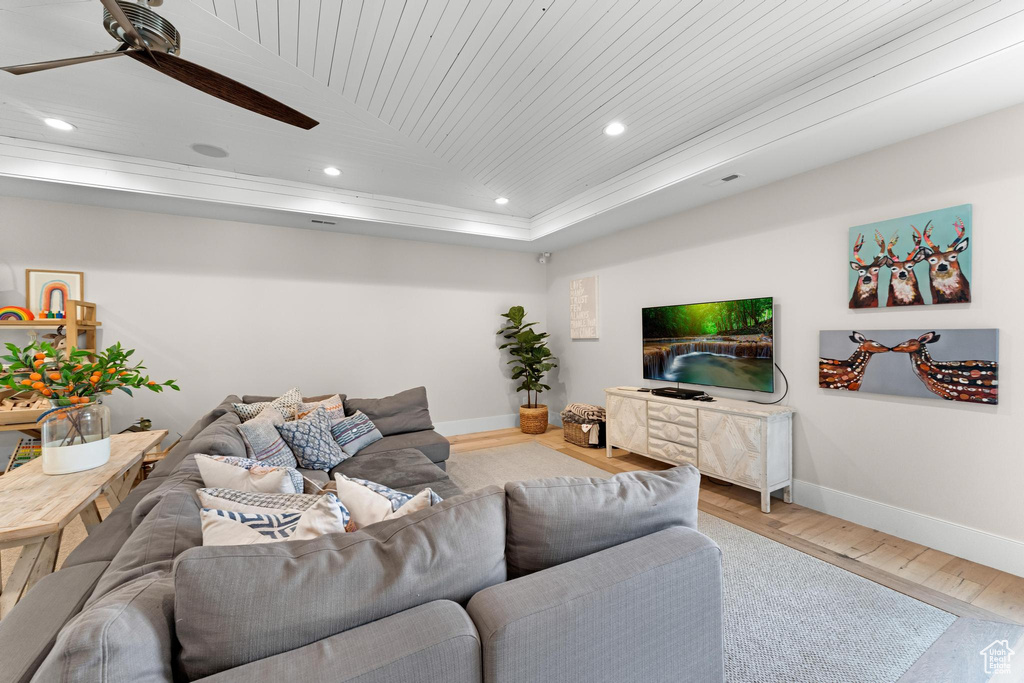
(255,501)
(286,404)
(243,474)
(229,527)
(369,502)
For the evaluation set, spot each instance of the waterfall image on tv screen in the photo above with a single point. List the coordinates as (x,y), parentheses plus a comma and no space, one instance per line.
(722,344)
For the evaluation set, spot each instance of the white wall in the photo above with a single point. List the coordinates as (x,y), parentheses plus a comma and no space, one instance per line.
(232,307)
(944,474)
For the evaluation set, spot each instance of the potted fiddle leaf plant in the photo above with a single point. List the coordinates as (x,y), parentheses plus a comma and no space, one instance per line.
(76,429)
(531,360)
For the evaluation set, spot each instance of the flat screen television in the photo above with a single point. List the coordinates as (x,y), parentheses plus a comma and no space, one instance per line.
(719,344)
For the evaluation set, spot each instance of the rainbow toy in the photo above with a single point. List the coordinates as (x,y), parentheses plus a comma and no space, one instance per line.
(15,313)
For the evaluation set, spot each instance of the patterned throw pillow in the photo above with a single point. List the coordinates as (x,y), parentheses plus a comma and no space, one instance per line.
(254,501)
(334,406)
(286,404)
(243,474)
(229,527)
(355,433)
(311,441)
(370,502)
(263,442)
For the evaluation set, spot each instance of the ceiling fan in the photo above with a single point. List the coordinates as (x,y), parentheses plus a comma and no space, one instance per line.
(150,39)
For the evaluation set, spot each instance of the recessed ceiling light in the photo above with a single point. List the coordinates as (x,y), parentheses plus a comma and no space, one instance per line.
(58,124)
(209,150)
(614,128)
(330,170)
(501,200)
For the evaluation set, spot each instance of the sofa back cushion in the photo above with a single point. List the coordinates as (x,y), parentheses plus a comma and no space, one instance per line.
(220,438)
(169,529)
(552,521)
(126,636)
(208,419)
(404,412)
(237,604)
(28,633)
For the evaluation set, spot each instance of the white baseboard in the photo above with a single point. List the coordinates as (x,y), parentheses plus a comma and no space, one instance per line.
(972,544)
(477,424)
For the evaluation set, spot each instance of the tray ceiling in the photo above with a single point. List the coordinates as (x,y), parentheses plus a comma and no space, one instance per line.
(452,103)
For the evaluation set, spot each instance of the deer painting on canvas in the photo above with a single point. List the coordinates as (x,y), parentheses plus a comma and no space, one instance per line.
(929,274)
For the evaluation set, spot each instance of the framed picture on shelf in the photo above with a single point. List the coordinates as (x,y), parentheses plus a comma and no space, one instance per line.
(50,290)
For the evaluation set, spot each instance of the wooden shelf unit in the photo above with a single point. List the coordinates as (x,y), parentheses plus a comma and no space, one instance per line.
(82,323)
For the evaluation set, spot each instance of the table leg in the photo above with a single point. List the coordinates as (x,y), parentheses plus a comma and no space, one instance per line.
(90,516)
(47,560)
(129,480)
(19,577)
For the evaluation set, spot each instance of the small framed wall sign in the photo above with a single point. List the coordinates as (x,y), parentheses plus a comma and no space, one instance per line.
(583,308)
(50,290)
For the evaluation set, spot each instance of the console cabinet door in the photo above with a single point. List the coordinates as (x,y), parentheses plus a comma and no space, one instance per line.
(627,423)
(730,446)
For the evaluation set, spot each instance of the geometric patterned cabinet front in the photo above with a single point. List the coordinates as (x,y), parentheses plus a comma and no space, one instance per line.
(630,426)
(744,443)
(730,446)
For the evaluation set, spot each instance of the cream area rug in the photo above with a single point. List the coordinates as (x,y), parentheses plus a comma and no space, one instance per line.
(788,616)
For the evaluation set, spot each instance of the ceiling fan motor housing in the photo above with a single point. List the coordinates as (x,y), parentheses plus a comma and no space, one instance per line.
(159,34)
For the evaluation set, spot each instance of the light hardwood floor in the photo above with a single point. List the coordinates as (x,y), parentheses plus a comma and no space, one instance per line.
(948,582)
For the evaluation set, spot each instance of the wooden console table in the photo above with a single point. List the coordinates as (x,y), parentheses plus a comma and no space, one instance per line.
(35,507)
(744,443)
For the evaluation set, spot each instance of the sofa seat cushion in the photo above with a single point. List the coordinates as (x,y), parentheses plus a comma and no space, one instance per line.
(397,469)
(404,412)
(445,488)
(315,589)
(126,636)
(429,443)
(552,521)
(435,642)
(103,542)
(27,634)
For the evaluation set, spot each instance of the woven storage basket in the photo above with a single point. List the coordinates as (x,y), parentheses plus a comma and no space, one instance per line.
(575,435)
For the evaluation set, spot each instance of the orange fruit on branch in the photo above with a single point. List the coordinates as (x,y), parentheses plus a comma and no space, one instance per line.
(55,376)
(35,377)
(40,356)
(26,382)
(38,385)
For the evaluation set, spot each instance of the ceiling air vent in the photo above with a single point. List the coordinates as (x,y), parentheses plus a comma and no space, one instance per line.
(320,222)
(726,179)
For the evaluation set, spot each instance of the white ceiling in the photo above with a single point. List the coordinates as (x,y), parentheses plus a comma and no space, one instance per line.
(432,108)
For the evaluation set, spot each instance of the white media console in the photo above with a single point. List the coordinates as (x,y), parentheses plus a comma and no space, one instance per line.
(744,443)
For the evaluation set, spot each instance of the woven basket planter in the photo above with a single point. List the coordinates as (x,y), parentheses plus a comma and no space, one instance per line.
(533,420)
(575,435)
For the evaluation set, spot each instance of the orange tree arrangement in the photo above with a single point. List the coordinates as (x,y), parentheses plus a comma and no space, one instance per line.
(69,379)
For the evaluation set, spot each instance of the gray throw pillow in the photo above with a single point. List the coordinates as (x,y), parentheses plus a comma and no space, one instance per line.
(404,412)
(552,521)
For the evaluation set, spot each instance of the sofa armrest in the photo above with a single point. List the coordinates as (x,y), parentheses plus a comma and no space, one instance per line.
(432,642)
(647,610)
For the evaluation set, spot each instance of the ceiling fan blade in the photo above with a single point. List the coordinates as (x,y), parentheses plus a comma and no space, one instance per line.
(57,63)
(224,88)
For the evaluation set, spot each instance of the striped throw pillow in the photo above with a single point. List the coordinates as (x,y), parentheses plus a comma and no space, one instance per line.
(355,433)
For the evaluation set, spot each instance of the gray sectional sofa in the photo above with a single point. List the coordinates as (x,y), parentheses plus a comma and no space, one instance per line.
(553,580)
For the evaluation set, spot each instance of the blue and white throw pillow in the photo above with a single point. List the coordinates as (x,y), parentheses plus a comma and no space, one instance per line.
(311,441)
(263,442)
(370,502)
(286,404)
(355,433)
(234,527)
